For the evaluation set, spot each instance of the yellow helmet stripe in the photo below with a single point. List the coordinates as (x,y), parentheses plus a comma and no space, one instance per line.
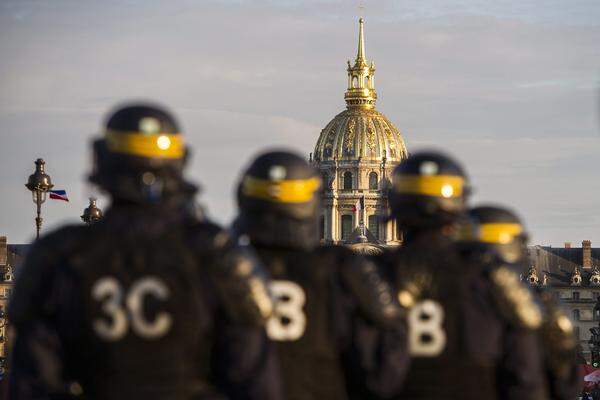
(499,233)
(160,145)
(446,186)
(284,191)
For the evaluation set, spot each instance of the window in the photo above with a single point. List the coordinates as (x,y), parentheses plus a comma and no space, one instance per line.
(373,181)
(575,295)
(325,179)
(346,226)
(347,180)
(576,333)
(354,82)
(575,315)
(374,225)
(322,227)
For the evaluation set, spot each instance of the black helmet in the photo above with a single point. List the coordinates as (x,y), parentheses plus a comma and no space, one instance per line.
(499,229)
(141,156)
(279,197)
(429,189)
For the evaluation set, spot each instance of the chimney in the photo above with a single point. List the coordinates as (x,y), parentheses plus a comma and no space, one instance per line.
(3,251)
(586,247)
(567,245)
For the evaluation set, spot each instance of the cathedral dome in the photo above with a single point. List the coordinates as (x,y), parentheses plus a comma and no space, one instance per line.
(360,131)
(355,154)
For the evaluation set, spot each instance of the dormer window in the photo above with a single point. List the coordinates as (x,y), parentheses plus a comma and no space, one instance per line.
(576,277)
(8,275)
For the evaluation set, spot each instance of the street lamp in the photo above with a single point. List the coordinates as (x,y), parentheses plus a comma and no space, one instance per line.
(92,213)
(39,184)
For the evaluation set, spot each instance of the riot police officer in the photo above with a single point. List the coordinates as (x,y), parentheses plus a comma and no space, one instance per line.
(470,334)
(148,302)
(338,331)
(502,241)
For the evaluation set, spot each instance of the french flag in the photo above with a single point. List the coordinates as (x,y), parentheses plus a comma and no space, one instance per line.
(59,195)
(360,204)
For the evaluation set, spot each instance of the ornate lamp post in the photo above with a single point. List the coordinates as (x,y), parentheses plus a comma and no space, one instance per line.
(92,213)
(39,184)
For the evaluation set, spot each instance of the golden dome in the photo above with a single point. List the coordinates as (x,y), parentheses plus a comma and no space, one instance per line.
(360,131)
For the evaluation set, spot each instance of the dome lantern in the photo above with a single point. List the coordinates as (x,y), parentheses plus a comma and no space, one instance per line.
(361,84)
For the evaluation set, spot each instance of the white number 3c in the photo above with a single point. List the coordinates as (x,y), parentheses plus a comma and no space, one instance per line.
(109,291)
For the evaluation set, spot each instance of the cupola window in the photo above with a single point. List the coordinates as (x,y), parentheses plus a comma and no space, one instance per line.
(322,227)
(374,225)
(346,226)
(347,180)
(325,178)
(373,181)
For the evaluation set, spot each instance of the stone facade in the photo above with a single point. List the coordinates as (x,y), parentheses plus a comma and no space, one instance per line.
(572,274)
(11,257)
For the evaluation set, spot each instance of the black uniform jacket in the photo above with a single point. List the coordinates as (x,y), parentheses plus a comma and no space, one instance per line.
(328,344)
(464,344)
(125,309)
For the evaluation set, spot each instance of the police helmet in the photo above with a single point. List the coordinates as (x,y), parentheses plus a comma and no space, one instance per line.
(141,156)
(501,230)
(279,198)
(428,189)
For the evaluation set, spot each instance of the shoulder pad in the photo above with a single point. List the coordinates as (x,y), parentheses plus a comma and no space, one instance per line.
(36,274)
(558,338)
(242,285)
(415,287)
(374,295)
(514,300)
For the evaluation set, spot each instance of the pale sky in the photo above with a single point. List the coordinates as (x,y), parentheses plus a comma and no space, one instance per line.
(508,87)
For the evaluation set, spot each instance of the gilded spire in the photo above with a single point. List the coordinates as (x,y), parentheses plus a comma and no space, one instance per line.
(361,83)
(360,55)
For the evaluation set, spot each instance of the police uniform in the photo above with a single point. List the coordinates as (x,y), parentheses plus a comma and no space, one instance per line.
(338,331)
(499,241)
(148,302)
(470,334)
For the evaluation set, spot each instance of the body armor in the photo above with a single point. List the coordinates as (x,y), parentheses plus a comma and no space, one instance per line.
(500,242)
(463,344)
(148,302)
(336,324)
